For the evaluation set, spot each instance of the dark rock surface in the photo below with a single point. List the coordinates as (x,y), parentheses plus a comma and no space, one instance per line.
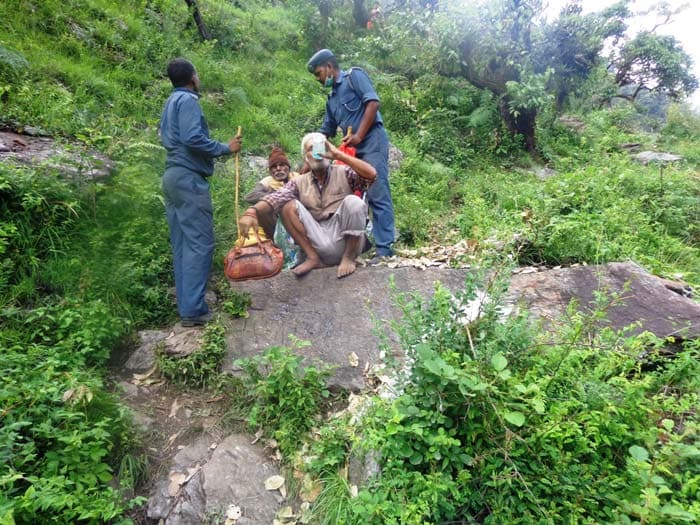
(73,161)
(644,299)
(338,316)
(208,476)
(341,317)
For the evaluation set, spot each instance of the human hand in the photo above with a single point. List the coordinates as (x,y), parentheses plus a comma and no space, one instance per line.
(351,139)
(248,225)
(235,144)
(331,151)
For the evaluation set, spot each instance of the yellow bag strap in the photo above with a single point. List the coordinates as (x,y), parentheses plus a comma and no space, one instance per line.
(260,233)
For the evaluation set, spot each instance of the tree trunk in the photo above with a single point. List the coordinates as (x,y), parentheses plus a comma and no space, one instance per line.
(359,13)
(523,124)
(192,4)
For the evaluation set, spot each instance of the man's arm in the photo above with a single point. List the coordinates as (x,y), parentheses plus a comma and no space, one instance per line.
(363,169)
(272,201)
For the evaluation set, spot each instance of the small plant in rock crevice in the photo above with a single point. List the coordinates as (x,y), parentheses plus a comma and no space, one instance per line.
(201,368)
(287,396)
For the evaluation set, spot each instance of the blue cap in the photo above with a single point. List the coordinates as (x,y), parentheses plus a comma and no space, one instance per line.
(320,57)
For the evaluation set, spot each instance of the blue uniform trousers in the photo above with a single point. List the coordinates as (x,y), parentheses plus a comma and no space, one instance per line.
(374,150)
(189,211)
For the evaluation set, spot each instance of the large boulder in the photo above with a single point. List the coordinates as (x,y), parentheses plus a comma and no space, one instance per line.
(645,301)
(209,476)
(341,317)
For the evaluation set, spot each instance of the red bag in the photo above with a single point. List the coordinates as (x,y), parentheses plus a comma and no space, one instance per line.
(253,259)
(348,150)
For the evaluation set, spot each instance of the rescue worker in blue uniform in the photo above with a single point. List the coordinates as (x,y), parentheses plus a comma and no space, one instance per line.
(190,160)
(354,103)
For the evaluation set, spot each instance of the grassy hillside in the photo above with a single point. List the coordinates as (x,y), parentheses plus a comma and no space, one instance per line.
(85,265)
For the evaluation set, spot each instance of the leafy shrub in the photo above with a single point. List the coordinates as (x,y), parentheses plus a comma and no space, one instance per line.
(681,122)
(12,65)
(420,189)
(287,397)
(492,427)
(60,436)
(37,213)
(606,213)
(200,368)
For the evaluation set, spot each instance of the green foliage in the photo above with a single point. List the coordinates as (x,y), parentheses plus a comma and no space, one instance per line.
(599,215)
(12,65)
(37,213)
(681,123)
(60,433)
(492,427)
(568,432)
(234,303)
(287,397)
(656,62)
(201,367)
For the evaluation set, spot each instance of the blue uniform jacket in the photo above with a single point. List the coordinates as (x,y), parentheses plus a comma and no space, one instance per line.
(346,103)
(185,134)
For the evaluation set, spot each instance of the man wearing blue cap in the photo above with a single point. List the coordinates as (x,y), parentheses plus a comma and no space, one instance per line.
(353,103)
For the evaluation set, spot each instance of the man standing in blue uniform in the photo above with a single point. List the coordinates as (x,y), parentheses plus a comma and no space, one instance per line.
(353,103)
(188,206)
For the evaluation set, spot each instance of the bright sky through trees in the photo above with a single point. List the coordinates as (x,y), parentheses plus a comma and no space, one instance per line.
(684,25)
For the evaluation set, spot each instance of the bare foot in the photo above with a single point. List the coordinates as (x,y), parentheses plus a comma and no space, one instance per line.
(346,267)
(305,267)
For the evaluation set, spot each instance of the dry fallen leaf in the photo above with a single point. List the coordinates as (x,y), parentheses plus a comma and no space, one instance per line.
(174,408)
(285,513)
(146,375)
(310,490)
(233,514)
(176,481)
(258,435)
(172,439)
(274,482)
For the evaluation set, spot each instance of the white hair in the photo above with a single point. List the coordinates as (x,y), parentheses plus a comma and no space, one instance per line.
(310,137)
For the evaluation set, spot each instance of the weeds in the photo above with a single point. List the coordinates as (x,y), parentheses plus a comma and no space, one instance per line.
(493,427)
(287,396)
(201,367)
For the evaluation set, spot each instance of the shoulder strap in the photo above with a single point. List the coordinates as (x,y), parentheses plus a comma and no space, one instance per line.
(350,80)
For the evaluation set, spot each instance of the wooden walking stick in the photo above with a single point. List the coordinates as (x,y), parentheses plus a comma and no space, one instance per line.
(238,178)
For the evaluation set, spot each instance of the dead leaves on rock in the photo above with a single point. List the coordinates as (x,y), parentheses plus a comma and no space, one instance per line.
(275,482)
(77,394)
(178,479)
(434,256)
(233,514)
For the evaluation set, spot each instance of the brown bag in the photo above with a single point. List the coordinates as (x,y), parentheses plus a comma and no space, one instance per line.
(256,258)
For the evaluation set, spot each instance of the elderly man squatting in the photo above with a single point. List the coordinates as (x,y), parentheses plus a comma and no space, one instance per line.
(320,210)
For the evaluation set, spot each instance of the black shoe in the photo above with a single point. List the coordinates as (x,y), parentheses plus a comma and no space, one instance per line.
(377,260)
(200,320)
